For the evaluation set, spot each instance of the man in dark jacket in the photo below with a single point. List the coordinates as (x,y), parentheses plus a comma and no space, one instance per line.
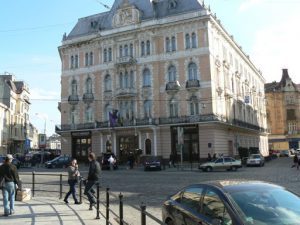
(92,179)
(10,174)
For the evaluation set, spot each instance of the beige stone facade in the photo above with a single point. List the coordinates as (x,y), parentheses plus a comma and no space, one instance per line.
(132,85)
(283,113)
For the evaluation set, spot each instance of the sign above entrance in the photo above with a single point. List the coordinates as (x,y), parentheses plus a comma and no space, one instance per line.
(81,134)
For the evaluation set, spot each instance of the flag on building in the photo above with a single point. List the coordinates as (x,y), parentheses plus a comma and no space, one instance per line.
(113,118)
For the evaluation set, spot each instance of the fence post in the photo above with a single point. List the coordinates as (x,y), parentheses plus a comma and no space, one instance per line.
(80,191)
(33,183)
(121,209)
(107,206)
(98,202)
(60,186)
(143,214)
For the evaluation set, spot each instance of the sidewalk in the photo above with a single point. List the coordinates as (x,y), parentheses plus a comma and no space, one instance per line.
(44,211)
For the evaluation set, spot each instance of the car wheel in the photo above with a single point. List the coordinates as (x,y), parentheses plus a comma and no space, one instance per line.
(208,169)
(233,168)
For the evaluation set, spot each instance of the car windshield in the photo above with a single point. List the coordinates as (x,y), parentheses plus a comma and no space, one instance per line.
(274,206)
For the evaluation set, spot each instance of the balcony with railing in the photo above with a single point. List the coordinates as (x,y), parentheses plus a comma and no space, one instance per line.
(158,121)
(125,60)
(73,99)
(172,86)
(88,98)
(192,84)
(126,92)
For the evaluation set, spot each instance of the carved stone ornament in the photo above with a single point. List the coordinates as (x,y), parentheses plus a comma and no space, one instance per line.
(127,14)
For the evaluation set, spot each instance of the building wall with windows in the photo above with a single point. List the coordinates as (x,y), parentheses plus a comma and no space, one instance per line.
(283,112)
(15,96)
(171,66)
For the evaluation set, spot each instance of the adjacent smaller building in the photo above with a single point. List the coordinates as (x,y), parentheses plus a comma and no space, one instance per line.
(14,114)
(283,115)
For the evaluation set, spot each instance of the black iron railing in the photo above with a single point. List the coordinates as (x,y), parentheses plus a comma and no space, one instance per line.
(119,216)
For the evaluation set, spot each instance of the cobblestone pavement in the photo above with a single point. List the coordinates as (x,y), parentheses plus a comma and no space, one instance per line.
(153,187)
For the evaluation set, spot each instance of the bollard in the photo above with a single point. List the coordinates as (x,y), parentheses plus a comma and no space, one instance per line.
(121,209)
(33,183)
(80,191)
(60,186)
(143,214)
(107,206)
(98,202)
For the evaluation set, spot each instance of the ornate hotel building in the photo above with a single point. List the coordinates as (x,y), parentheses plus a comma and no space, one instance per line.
(151,75)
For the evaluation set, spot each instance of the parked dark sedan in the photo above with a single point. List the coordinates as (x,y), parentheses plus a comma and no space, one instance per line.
(152,163)
(59,162)
(232,203)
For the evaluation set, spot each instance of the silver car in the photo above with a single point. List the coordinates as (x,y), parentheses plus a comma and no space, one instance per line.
(256,160)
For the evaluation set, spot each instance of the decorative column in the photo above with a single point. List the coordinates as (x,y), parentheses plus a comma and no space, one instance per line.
(154,140)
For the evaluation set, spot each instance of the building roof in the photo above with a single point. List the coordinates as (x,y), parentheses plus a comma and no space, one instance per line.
(150,9)
(278,86)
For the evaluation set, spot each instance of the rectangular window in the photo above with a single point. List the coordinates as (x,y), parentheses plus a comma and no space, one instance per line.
(290,114)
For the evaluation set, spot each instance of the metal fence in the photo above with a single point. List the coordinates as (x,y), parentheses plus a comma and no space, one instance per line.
(105,202)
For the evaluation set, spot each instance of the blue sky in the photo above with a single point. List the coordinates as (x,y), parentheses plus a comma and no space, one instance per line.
(31,31)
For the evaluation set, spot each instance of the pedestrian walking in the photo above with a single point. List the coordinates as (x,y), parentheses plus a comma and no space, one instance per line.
(295,160)
(73,175)
(11,178)
(92,179)
(112,162)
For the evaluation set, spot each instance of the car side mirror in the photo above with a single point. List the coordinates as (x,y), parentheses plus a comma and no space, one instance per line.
(216,222)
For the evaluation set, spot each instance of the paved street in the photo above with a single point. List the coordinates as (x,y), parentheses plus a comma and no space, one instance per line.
(154,186)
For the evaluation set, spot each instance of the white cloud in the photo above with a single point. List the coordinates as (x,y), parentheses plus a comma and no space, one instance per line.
(249,4)
(277,47)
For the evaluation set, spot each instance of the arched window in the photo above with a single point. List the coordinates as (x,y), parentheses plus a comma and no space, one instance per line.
(168,44)
(147,108)
(86,59)
(142,48)
(187,41)
(89,114)
(107,83)
(74,87)
(173,44)
(194,40)
(89,85)
(173,107)
(76,61)
(126,50)
(194,105)
(131,50)
(72,62)
(148,47)
(146,78)
(131,79)
(109,55)
(121,80)
(148,146)
(126,80)
(172,73)
(105,55)
(192,68)
(91,60)
(120,51)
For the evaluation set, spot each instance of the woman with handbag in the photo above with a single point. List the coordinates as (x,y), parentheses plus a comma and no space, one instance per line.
(73,175)
(10,177)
